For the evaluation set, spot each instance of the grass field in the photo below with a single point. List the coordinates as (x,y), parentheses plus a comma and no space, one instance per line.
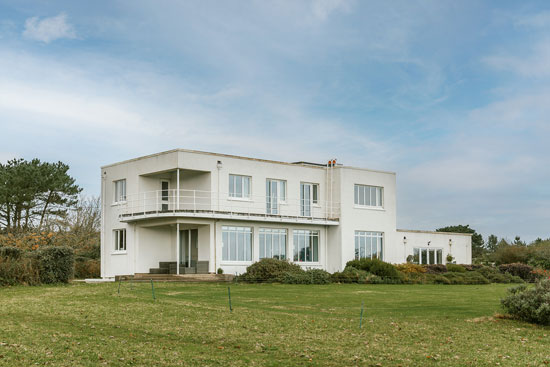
(271,325)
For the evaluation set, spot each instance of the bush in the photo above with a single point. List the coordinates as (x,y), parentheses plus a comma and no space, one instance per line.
(311,276)
(523,271)
(55,264)
(86,268)
(456,268)
(376,267)
(471,277)
(410,268)
(220,271)
(10,252)
(18,271)
(529,304)
(269,270)
(436,268)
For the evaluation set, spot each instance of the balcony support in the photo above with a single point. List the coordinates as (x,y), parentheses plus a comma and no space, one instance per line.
(177,248)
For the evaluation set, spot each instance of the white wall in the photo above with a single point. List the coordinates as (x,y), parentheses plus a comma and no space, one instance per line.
(460,246)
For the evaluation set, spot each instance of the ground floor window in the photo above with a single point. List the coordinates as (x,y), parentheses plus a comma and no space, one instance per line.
(427,256)
(273,243)
(120,239)
(369,245)
(306,245)
(236,243)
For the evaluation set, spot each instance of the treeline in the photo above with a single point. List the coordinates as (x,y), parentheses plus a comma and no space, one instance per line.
(40,208)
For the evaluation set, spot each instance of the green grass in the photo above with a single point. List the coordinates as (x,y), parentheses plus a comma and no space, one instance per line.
(271,325)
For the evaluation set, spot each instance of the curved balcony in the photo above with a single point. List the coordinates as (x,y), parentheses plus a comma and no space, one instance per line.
(210,204)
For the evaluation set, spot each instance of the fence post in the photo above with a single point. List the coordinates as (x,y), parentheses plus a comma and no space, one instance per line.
(153,289)
(229,295)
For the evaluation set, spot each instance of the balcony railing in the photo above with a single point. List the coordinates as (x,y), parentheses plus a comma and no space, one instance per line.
(204,202)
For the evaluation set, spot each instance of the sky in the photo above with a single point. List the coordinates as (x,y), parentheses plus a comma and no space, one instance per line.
(453,96)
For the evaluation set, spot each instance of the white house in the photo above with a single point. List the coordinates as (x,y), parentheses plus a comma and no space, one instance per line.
(206,211)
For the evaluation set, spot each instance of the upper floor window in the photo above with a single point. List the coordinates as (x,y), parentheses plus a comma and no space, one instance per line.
(120,191)
(120,239)
(309,195)
(275,193)
(239,186)
(368,195)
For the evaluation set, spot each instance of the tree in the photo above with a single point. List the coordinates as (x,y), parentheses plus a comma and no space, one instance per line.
(477,239)
(32,191)
(492,243)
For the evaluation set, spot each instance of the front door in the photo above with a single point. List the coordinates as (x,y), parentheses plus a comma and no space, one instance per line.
(189,240)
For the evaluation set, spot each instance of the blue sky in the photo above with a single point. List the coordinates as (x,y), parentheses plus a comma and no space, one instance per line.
(453,96)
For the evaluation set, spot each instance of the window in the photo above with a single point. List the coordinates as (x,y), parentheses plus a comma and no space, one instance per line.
(309,194)
(236,243)
(273,243)
(120,191)
(369,245)
(239,186)
(368,195)
(275,192)
(427,256)
(120,239)
(306,246)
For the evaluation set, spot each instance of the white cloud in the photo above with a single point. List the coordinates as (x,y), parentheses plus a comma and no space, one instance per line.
(322,9)
(48,29)
(533,63)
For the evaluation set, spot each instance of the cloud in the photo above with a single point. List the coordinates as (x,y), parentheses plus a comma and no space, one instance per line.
(49,29)
(322,9)
(534,62)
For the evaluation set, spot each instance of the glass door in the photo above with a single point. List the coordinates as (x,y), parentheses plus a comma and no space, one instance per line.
(272,197)
(164,190)
(188,248)
(305,199)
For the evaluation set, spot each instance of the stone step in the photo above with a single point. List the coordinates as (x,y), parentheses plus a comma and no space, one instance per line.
(166,264)
(159,271)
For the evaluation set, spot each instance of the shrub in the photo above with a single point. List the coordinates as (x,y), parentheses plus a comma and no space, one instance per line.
(220,271)
(376,267)
(529,304)
(471,277)
(86,268)
(269,270)
(440,279)
(10,252)
(541,274)
(456,268)
(55,264)
(410,268)
(311,276)
(523,271)
(18,271)
(436,268)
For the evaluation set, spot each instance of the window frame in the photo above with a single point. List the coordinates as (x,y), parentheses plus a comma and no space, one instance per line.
(309,238)
(363,234)
(227,250)
(378,196)
(116,237)
(419,251)
(233,183)
(116,195)
(282,233)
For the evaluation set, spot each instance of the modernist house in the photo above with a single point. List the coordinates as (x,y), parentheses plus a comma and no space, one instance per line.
(184,211)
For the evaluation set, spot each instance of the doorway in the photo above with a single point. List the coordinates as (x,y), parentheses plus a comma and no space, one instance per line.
(189,241)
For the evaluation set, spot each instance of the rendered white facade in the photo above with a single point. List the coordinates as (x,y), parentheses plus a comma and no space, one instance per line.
(222,211)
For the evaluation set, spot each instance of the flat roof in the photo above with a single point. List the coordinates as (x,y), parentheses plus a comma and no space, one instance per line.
(301,163)
(434,232)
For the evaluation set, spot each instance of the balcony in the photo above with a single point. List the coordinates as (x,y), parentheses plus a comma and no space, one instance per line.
(210,204)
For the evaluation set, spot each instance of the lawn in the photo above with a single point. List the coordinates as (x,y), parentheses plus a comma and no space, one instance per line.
(271,325)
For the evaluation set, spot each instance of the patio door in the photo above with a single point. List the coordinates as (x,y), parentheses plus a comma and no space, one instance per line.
(189,240)
(164,194)
(305,199)
(272,196)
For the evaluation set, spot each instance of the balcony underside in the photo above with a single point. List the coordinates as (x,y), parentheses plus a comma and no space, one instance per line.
(182,213)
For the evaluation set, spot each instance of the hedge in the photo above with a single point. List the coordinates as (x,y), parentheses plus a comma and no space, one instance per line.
(55,264)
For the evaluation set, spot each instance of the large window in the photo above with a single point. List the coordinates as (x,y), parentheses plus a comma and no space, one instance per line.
(306,246)
(275,192)
(309,195)
(427,256)
(368,195)
(273,243)
(236,243)
(239,186)
(369,245)
(120,191)
(120,239)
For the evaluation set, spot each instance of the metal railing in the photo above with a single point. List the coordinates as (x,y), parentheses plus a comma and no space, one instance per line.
(199,201)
